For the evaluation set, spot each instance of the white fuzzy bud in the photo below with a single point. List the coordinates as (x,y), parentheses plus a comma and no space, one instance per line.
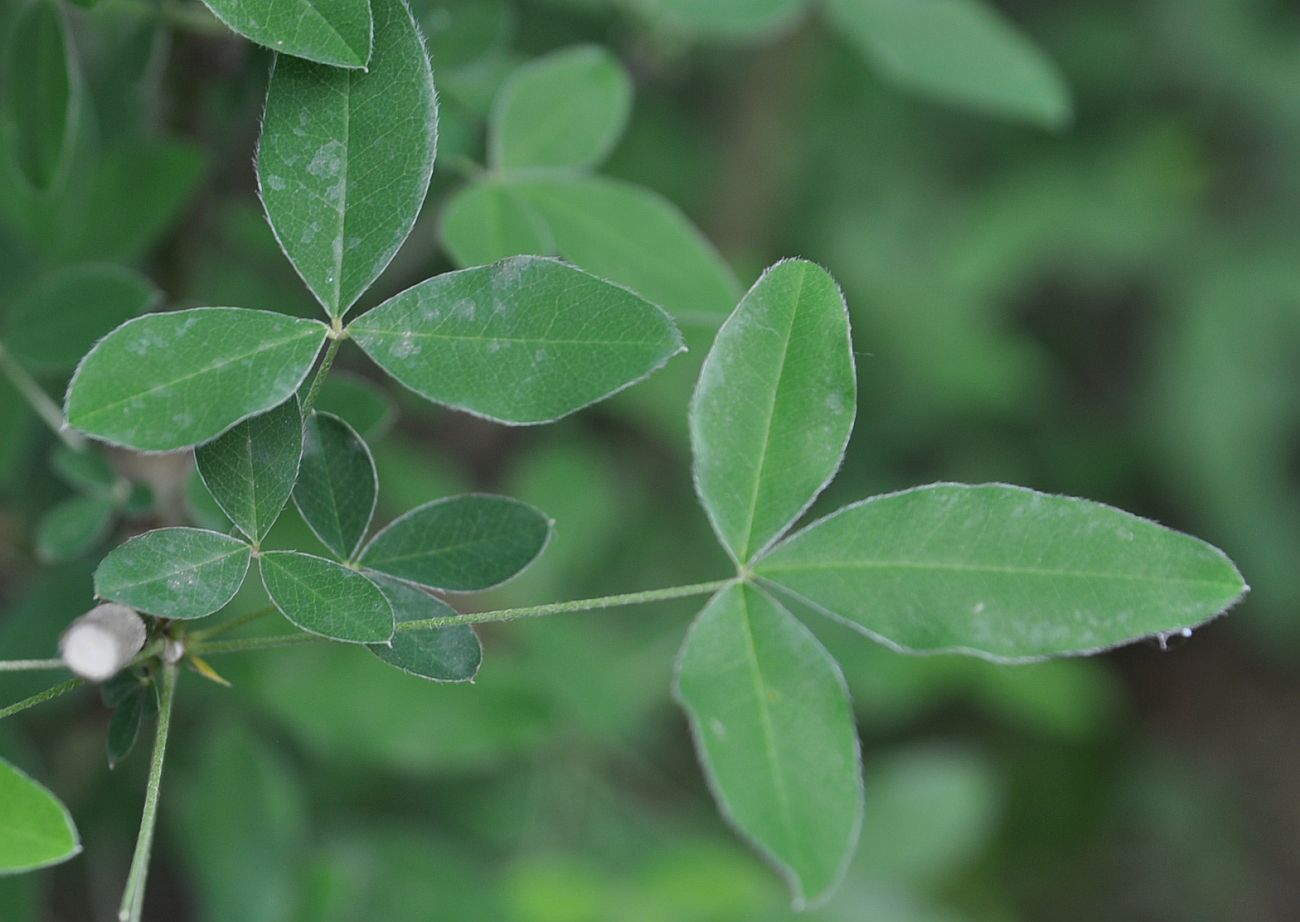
(98,644)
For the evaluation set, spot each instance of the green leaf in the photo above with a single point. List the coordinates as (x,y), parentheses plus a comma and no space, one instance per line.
(958,51)
(490,220)
(358,402)
(773,727)
(174,572)
(724,19)
(124,726)
(567,109)
(774,406)
(58,319)
(250,471)
(37,830)
(460,32)
(42,97)
(612,229)
(83,470)
(462,544)
(527,340)
(168,381)
(73,527)
(449,654)
(326,598)
(1002,572)
(333,32)
(346,156)
(337,485)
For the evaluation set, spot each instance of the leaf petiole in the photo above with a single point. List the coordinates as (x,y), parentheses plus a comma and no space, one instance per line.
(49,411)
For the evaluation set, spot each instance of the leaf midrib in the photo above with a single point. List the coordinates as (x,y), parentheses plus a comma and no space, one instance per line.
(119,587)
(1002,570)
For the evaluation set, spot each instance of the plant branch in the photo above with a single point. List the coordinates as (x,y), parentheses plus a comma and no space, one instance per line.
(24,665)
(133,896)
(227,626)
(321,374)
(49,411)
(41,697)
(482,617)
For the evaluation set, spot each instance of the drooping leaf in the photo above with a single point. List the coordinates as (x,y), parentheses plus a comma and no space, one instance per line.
(489,221)
(462,544)
(83,470)
(447,654)
(337,486)
(42,93)
(250,471)
(326,598)
(774,406)
(174,572)
(358,402)
(527,340)
(168,381)
(124,726)
(73,527)
(724,19)
(566,109)
(37,830)
(773,727)
(612,229)
(58,319)
(1002,572)
(346,156)
(335,32)
(959,51)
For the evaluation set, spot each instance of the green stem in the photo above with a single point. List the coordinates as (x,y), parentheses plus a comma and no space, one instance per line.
(133,896)
(23,665)
(41,697)
(49,411)
(322,373)
(227,626)
(482,617)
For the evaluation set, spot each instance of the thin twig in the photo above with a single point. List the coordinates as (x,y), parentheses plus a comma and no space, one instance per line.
(133,896)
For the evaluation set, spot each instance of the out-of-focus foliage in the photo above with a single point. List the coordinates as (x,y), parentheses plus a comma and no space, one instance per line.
(1109,310)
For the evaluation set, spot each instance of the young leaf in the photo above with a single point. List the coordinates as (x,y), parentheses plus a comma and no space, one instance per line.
(637,238)
(724,19)
(1002,572)
(567,109)
(326,598)
(335,32)
(37,830)
(42,93)
(527,340)
(337,486)
(56,322)
(490,220)
(958,51)
(174,572)
(168,381)
(462,544)
(774,730)
(73,527)
(250,471)
(124,726)
(448,654)
(774,406)
(346,156)
(83,470)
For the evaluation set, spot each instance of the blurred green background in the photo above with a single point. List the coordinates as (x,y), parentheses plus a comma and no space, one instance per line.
(1109,310)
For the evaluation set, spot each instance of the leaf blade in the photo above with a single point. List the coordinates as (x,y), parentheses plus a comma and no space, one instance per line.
(325,598)
(774,406)
(207,369)
(42,98)
(970,569)
(527,340)
(460,544)
(337,484)
(333,32)
(181,573)
(760,691)
(345,158)
(38,831)
(448,654)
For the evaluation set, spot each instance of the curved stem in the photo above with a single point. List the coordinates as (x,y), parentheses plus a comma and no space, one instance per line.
(133,896)
(49,411)
(309,402)
(482,617)
(41,697)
